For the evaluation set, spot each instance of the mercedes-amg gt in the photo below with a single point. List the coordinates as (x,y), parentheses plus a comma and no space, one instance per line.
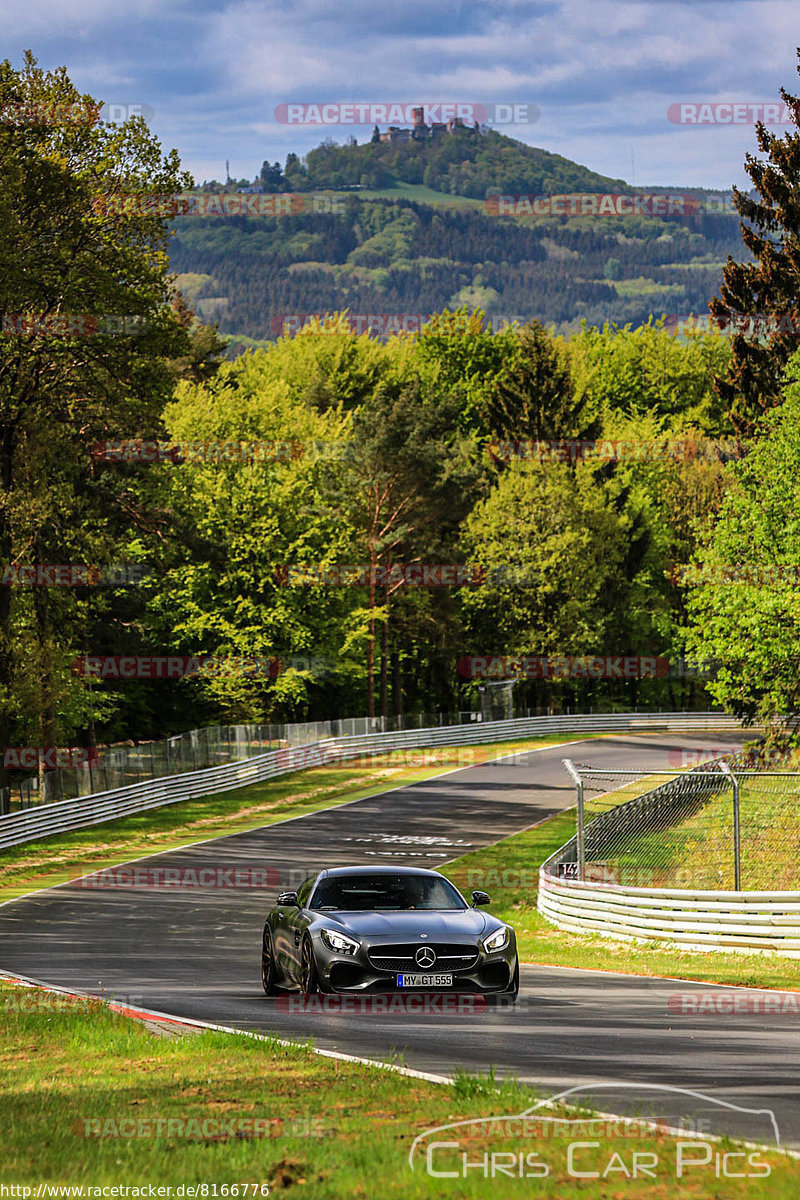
(386,929)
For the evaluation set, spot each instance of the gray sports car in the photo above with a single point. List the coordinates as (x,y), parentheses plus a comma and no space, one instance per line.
(385,929)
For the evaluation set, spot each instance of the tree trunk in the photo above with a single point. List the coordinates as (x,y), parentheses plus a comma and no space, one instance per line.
(397,688)
(385,664)
(6,475)
(371,639)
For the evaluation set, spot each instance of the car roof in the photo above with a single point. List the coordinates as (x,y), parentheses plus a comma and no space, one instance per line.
(369,869)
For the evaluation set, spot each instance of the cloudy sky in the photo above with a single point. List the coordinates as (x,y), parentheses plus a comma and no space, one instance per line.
(210,74)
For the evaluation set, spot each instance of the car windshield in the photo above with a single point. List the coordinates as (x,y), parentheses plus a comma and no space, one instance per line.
(385,893)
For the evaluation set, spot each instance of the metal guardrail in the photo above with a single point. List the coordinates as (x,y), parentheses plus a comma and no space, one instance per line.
(691,918)
(63,816)
(120,765)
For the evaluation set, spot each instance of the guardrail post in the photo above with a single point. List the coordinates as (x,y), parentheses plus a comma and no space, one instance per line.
(737,848)
(579,826)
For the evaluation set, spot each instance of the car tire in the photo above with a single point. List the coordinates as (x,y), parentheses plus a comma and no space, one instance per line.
(269,973)
(509,994)
(308,969)
(512,991)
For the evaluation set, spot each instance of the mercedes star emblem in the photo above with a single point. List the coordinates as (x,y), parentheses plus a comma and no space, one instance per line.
(425,957)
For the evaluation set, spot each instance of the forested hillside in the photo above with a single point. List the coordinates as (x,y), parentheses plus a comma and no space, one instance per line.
(400,256)
(464,163)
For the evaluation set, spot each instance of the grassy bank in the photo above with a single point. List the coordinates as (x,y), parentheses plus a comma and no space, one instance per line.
(92,1098)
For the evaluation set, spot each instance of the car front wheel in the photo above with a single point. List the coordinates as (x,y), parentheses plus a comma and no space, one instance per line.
(268,971)
(308,969)
(513,988)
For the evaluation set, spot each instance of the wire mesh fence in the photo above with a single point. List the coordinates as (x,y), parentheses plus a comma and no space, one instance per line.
(116,766)
(727,824)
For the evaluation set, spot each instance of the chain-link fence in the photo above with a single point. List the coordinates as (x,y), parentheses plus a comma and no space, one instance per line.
(726,824)
(116,766)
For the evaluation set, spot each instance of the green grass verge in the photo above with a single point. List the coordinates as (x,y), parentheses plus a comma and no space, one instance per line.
(56,859)
(87,1097)
(509,871)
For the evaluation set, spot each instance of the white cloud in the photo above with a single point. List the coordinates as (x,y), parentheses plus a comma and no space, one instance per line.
(602,72)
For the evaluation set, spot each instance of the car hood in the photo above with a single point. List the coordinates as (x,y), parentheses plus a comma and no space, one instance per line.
(401,926)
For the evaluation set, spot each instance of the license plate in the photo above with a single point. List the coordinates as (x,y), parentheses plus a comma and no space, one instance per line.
(424,981)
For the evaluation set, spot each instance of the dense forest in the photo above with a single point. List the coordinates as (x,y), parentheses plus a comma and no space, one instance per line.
(400,256)
(387,509)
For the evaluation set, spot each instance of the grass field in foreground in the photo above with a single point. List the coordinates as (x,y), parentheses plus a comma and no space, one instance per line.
(56,859)
(509,872)
(88,1097)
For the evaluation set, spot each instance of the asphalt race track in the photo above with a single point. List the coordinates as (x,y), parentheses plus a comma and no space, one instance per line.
(194,952)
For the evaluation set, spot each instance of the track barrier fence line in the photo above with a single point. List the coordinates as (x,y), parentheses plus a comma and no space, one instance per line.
(707,859)
(315,744)
(116,766)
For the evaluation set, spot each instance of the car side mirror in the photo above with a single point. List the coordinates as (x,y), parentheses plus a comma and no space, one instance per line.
(479,898)
(289,899)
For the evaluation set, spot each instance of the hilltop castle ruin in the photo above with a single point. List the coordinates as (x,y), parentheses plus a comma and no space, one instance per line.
(420,131)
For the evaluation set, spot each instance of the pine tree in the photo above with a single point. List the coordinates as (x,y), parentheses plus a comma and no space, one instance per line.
(764,291)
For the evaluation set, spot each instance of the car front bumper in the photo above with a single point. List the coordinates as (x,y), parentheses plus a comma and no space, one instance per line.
(356,973)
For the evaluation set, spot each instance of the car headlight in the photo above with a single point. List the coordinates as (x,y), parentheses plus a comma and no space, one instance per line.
(496,941)
(339,942)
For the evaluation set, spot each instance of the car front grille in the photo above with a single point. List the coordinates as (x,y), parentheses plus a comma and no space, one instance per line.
(450,956)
